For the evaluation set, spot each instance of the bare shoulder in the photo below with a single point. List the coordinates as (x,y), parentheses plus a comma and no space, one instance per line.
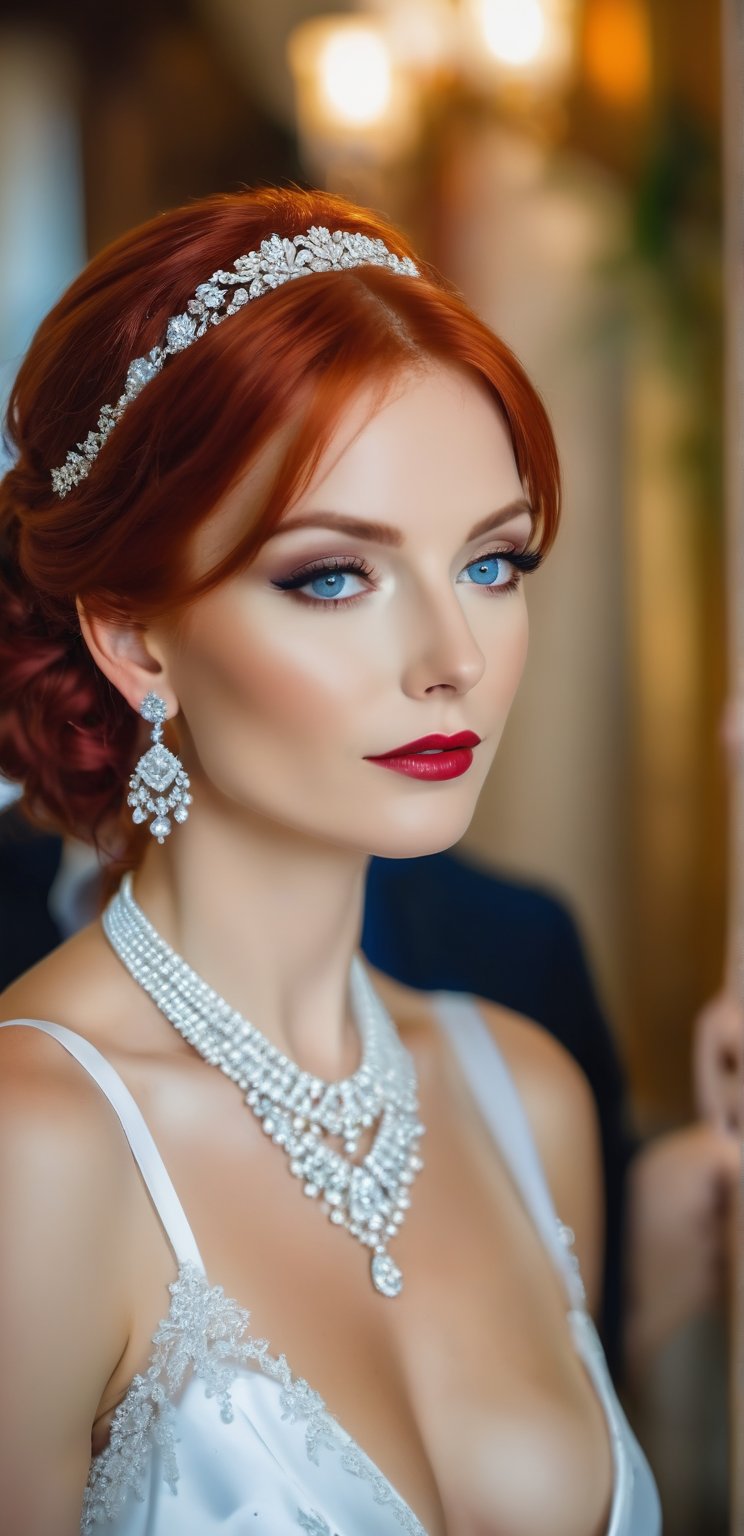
(66,1208)
(58,1132)
(79,985)
(55,1121)
(559,1104)
(562,1112)
(552,1086)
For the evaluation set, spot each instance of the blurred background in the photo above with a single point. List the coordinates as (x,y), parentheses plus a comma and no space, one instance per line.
(561,161)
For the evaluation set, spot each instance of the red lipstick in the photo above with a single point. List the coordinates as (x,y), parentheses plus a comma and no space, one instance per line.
(431,757)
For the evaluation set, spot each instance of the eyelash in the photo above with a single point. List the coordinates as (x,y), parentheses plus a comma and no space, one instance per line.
(523,562)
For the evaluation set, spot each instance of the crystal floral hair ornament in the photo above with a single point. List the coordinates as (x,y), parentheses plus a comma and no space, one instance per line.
(278,260)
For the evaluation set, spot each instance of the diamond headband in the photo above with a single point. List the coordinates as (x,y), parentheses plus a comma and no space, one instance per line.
(277,261)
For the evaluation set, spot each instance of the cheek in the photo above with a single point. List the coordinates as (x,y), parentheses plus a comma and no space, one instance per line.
(506,650)
(518,654)
(287,676)
(249,685)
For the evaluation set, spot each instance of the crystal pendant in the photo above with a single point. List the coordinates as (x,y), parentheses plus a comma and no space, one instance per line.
(158,768)
(387,1278)
(159,783)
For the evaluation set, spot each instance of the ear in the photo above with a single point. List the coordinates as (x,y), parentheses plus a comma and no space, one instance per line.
(129,657)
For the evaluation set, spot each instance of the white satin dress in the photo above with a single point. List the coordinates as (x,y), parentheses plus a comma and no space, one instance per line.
(219,1438)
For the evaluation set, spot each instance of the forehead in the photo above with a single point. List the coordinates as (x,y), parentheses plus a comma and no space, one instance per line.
(438,432)
(432,436)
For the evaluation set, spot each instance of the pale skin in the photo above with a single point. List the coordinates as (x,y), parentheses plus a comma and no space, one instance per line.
(469,1381)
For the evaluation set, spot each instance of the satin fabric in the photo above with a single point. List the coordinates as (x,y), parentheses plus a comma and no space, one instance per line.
(281,1463)
(254,1475)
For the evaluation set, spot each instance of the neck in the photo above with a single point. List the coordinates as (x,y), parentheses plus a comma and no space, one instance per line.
(271,920)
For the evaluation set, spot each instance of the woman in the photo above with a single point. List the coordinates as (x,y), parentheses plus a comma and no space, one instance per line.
(266,448)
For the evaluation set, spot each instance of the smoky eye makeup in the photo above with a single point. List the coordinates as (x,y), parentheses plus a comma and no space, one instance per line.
(308,568)
(298,569)
(336,568)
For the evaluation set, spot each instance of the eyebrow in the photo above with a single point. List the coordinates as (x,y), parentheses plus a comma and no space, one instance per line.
(384,533)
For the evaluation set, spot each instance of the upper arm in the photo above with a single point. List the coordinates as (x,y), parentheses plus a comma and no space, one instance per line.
(562,1112)
(63,1314)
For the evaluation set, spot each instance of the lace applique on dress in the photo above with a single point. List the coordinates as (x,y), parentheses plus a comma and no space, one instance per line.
(206,1331)
(575,1282)
(314,1524)
(354,1460)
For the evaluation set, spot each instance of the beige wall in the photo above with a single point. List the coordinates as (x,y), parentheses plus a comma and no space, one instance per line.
(554,809)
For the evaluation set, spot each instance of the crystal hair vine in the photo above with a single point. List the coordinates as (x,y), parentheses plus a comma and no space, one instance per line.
(278,260)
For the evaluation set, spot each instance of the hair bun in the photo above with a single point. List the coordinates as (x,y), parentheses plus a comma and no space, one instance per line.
(57,714)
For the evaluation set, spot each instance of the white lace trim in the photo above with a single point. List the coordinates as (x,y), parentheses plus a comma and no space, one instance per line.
(576,1287)
(206,1331)
(314,1524)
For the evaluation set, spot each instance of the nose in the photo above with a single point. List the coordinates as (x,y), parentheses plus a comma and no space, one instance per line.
(441,650)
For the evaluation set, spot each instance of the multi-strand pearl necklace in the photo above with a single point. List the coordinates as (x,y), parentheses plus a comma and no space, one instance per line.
(300,1112)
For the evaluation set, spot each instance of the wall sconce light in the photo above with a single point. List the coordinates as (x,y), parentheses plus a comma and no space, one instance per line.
(527,45)
(353,96)
(367,84)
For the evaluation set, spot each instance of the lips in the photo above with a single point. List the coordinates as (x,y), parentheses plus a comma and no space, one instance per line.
(431,743)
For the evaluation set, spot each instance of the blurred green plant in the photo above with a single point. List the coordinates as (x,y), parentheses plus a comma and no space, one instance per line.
(673,262)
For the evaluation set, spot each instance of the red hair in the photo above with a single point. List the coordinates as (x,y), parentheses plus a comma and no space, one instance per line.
(121,539)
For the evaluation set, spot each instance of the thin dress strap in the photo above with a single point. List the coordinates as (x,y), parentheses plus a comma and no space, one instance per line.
(144,1150)
(497,1096)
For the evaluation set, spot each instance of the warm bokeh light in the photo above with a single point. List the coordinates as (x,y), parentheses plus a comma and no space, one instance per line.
(353,97)
(617,50)
(524,45)
(514,30)
(355,76)
(422,33)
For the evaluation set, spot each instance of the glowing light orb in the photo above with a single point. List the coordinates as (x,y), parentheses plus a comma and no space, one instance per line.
(514,30)
(355,76)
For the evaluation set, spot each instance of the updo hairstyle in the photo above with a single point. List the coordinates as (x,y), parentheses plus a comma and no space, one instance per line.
(120,539)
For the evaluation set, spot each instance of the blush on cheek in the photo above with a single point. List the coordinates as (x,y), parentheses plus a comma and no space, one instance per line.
(517,657)
(506,658)
(244,686)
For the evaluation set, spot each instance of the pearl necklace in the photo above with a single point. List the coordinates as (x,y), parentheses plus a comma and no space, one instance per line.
(299,1111)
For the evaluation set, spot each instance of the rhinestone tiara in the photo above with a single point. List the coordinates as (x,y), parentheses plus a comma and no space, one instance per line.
(276,261)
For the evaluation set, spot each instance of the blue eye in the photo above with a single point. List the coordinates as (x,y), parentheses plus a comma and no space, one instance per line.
(487,568)
(329,579)
(329,584)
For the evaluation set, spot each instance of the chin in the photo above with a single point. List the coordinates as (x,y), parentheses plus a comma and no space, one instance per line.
(407,842)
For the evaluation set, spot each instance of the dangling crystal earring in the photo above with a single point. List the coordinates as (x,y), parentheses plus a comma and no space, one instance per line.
(158,770)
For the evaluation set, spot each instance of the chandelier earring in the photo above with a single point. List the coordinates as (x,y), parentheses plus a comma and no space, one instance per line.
(159,783)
